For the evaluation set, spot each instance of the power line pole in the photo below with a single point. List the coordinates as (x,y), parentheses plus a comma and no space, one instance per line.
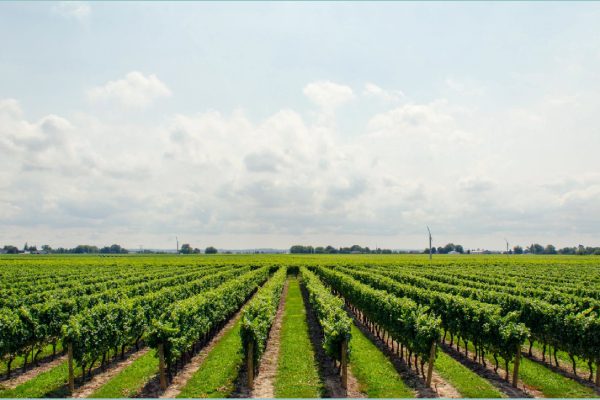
(177,240)
(429,231)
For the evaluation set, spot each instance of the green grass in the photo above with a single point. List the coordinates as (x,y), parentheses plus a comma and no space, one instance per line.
(131,379)
(217,374)
(18,361)
(376,375)
(52,383)
(297,372)
(468,383)
(550,383)
(564,359)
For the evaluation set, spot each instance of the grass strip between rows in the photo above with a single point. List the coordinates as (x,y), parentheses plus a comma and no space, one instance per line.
(130,380)
(216,376)
(297,371)
(374,372)
(467,382)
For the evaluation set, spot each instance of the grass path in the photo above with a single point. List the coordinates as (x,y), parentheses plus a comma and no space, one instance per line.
(564,360)
(550,383)
(538,377)
(468,383)
(376,375)
(217,374)
(51,383)
(297,371)
(18,361)
(131,379)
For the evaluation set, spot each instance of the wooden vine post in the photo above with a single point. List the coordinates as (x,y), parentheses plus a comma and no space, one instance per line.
(70,362)
(250,361)
(344,361)
(430,366)
(161,366)
(516,368)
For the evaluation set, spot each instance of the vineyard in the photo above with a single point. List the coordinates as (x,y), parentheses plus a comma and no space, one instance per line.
(300,326)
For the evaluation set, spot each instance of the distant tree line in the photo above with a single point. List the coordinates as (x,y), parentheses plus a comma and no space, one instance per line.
(446,249)
(537,248)
(80,249)
(187,249)
(355,249)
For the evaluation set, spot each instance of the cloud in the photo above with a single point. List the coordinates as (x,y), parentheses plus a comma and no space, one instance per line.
(290,175)
(78,10)
(135,90)
(374,91)
(475,184)
(328,95)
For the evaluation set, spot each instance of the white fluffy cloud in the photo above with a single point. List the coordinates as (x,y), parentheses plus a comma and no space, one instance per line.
(328,95)
(288,176)
(135,90)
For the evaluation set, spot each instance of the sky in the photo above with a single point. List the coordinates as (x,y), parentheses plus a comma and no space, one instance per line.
(246,125)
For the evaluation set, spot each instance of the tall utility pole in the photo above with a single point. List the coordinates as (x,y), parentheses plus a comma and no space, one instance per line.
(507,245)
(177,240)
(428,230)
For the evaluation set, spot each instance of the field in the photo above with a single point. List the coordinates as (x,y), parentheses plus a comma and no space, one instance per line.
(300,326)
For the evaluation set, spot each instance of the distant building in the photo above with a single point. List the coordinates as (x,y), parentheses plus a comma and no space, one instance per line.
(453,252)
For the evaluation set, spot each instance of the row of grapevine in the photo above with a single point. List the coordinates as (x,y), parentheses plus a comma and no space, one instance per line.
(482,324)
(186,322)
(553,292)
(422,278)
(257,319)
(333,319)
(565,327)
(414,326)
(330,312)
(43,323)
(95,331)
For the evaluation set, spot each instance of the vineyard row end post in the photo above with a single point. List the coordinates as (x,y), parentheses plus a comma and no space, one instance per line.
(430,366)
(70,362)
(516,368)
(344,361)
(161,366)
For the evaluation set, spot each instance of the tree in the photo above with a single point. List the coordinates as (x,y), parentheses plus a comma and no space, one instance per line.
(113,249)
(11,249)
(185,249)
(536,248)
(518,250)
(550,249)
(47,248)
(84,249)
(210,250)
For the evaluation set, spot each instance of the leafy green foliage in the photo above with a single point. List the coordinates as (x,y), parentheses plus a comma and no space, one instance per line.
(407,322)
(330,312)
(259,314)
